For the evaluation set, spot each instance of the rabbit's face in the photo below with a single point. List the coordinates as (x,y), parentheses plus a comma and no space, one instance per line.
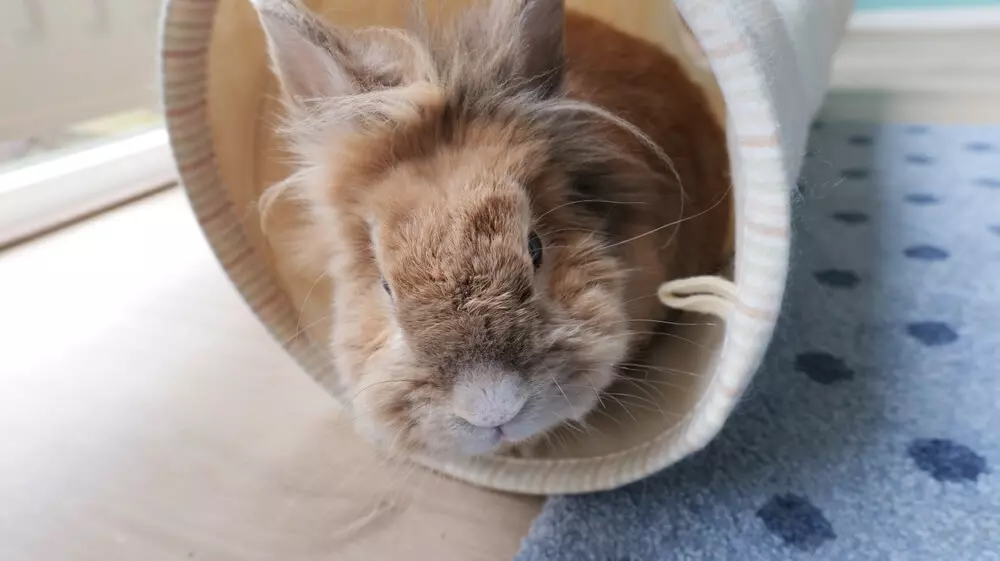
(473,306)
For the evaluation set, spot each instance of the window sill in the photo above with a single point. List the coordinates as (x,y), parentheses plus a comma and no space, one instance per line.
(42,196)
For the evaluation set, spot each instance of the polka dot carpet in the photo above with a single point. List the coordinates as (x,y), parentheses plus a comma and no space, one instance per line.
(871,432)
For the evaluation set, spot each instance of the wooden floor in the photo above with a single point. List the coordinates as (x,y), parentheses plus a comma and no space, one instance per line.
(146,415)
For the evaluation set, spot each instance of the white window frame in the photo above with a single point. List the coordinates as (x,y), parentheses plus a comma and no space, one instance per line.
(928,19)
(56,190)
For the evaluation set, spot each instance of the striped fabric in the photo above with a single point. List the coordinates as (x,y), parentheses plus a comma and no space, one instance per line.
(771,58)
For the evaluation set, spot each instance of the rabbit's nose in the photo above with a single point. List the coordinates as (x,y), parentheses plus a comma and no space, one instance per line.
(488,398)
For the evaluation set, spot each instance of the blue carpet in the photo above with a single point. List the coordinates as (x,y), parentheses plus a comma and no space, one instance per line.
(871,431)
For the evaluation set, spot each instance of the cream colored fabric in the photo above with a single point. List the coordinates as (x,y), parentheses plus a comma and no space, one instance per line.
(770,58)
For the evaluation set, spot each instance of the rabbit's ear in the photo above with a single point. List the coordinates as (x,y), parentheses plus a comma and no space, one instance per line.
(316,61)
(308,57)
(542,25)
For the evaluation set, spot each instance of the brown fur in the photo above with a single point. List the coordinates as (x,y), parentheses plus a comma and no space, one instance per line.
(431,172)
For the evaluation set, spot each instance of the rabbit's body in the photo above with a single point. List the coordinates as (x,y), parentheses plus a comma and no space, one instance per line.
(498,210)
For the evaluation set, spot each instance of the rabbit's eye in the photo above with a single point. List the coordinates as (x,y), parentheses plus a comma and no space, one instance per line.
(535,249)
(386,287)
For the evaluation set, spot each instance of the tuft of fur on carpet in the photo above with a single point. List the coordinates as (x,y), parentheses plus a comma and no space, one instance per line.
(871,431)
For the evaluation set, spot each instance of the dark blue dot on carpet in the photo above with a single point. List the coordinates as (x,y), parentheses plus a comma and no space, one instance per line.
(796,521)
(995,229)
(946,460)
(816,125)
(926,253)
(838,278)
(917,129)
(860,140)
(989,182)
(823,368)
(918,158)
(979,146)
(855,174)
(922,199)
(850,217)
(932,333)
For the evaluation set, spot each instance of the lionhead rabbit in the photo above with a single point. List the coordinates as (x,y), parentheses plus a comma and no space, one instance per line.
(497,203)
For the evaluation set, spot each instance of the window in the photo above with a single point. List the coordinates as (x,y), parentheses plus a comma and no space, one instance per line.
(80,127)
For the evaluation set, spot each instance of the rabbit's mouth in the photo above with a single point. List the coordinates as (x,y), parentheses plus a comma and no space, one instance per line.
(556,404)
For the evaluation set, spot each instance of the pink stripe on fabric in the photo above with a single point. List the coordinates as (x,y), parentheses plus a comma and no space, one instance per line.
(194,147)
(203,161)
(184,53)
(199,179)
(196,6)
(767,211)
(189,134)
(727,50)
(761,314)
(200,24)
(186,109)
(208,216)
(777,230)
(229,261)
(760,140)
